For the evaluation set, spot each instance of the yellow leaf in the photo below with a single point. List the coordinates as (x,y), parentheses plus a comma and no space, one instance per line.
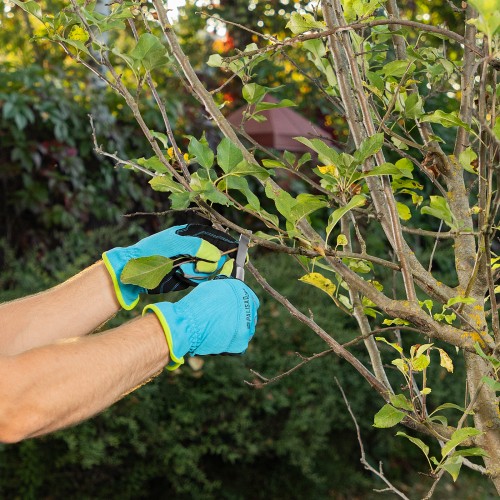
(329,169)
(78,34)
(446,361)
(319,281)
(170,152)
(342,240)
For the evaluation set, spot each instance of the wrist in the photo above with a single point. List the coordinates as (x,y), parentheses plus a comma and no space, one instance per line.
(114,261)
(176,328)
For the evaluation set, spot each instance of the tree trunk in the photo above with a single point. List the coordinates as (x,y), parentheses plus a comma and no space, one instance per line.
(486,414)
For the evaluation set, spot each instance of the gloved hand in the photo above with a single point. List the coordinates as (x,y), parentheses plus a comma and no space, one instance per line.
(218,316)
(190,241)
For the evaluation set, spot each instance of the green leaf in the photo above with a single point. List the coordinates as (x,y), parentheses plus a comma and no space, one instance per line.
(440,209)
(452,466)
(403,211)
(300,23)
(307,204)
(458,437)
(164,183)
(414,106)
(400,401)
(460,300)
(496,128)
(369,147)
(466,158)
(284,201)
(241,184)
(273,163)
(146,271)
(447,406)
(426,303)
(246,168)
(449,318)
(319,281)
(416,441)
(439,418)
(316,47)
(388,416)
(493,384)
(161,137)
(420,363)
(263,106)
(215,61)
(201,152)
(153,163)
(149,52)
(445,119)
(180,201)
(492,359)
(207,191)
(356,201)
(228,155)
(77,44)
(401,364)
(326,154)
(398,68)
(386,169)
(253,93)
(394,346)
(470,452)
(405,166)
(489,19)
(376,81)
(359,265)
(31,7)
(395,321)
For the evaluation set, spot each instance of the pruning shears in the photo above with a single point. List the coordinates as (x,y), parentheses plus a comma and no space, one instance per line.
(239,262)
(241,257)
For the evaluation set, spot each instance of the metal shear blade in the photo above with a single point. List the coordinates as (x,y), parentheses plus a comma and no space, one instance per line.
(241,257)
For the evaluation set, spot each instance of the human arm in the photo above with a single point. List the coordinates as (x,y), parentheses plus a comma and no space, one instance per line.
(72,309)
(54,386)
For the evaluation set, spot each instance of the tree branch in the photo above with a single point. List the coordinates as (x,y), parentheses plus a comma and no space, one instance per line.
(266,381)
(379,473)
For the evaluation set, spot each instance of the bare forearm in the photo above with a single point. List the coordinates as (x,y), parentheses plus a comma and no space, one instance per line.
(58,385)
(72,309)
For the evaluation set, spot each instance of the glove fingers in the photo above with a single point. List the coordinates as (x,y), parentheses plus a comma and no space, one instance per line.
(207,252)
(227,268)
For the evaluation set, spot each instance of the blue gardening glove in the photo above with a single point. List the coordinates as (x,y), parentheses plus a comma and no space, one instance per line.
(218,316)
(188,241)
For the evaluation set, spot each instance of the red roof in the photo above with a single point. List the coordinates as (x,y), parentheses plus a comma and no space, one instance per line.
(281,126)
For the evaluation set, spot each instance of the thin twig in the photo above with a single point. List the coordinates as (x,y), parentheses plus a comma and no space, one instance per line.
(431,258)
(266,381)
(165,212)
(379,473)
(98,149)
(434,484)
